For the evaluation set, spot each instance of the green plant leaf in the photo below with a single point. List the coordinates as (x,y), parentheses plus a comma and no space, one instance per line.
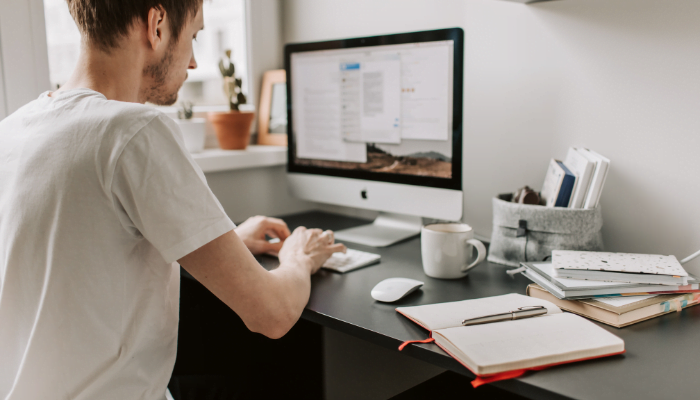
(221,67)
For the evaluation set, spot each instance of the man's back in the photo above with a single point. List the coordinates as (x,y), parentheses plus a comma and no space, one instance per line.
(88,287)
(99,198)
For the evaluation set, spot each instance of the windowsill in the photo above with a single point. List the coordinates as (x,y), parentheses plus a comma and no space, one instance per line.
(172,110)
(216,160)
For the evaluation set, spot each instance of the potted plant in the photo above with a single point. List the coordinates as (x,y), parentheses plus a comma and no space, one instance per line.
(193,129)
(233,127)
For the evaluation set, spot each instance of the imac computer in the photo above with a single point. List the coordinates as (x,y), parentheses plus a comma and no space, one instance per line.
(376,123)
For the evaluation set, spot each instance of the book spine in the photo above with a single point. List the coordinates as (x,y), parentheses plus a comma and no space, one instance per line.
(567,187)
(582,166)
(599,175)
(552,183)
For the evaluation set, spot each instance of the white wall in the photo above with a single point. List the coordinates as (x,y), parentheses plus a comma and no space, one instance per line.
(257,191)
(3,107)
(618,76)
(265,43)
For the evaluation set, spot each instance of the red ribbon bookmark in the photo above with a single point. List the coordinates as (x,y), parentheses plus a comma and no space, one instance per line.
(482,380)
(406,343)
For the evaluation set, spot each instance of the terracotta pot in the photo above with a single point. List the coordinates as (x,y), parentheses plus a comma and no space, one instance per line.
(232,128)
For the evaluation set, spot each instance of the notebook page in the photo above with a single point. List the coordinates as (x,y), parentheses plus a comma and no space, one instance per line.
(531,342)
(623,301)
(446,315)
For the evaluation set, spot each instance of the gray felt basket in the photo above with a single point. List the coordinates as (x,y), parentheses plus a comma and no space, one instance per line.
(523,232)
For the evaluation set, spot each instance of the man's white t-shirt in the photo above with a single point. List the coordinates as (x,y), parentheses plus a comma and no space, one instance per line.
(98,199)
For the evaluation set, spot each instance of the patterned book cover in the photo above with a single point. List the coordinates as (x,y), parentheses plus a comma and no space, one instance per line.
(618,262)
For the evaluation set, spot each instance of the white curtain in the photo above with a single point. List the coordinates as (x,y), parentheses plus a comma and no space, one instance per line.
(24,65)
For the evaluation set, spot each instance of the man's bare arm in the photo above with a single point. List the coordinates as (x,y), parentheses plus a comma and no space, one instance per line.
(268,302)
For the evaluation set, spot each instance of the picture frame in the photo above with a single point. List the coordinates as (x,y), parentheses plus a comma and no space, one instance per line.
(272,115)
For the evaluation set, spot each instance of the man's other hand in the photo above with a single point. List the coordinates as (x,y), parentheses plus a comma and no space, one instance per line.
(268,302)
(253,232)
(313,245)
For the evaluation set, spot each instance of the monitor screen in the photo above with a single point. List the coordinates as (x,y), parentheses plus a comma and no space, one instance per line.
(381,109)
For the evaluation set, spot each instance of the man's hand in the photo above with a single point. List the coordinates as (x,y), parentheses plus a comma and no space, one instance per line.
(253,232)
(268,302)
(311,247)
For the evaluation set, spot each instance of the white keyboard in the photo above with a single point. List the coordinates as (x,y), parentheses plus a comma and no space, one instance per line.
(351,260)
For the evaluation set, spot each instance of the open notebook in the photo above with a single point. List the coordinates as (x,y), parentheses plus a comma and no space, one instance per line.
(504,350)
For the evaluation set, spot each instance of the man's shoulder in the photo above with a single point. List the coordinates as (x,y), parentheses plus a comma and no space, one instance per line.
(131,117)
(120,122)
(90,113)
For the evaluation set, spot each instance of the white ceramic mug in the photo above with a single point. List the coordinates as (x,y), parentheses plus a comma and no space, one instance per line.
(446,248)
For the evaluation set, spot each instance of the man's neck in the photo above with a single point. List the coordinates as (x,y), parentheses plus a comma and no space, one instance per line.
(117,75)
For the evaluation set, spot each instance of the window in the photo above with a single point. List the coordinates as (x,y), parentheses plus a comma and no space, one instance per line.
(224,28)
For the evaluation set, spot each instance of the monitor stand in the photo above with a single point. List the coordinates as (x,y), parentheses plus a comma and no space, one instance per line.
(386,230)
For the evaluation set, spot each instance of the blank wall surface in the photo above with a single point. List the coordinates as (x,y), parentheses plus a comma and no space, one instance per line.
(256,191)
(617,76)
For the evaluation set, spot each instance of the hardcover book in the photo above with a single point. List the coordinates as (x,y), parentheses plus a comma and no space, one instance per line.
(620,311)
(619,267)
(569,289)
(559,184)
(582,167)
(600,174)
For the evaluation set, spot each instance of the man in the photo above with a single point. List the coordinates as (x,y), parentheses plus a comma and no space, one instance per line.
(99,202)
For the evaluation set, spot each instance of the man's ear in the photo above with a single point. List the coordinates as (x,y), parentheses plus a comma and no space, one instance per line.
(155,25)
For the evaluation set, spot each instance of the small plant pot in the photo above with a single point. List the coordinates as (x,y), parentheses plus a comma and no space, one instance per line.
(232,128)
(193,132)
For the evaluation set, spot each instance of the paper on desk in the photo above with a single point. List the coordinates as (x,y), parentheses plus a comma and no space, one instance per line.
(572,283)
(623,301)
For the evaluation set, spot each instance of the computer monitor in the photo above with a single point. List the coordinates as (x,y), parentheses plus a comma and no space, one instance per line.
(376,123)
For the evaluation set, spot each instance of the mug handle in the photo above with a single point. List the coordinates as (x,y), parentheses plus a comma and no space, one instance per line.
(480,250)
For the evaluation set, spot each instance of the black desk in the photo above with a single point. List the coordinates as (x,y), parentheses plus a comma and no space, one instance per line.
(661,356)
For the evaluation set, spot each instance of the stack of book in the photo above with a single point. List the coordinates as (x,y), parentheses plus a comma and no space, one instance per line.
(618,289)
(576,182)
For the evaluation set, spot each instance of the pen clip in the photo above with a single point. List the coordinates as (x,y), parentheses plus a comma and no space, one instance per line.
(527,308)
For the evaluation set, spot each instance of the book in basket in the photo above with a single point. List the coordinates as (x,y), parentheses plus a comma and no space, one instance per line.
(507,349)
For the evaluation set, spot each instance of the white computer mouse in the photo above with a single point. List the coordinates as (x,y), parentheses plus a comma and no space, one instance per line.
(393,289)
